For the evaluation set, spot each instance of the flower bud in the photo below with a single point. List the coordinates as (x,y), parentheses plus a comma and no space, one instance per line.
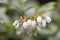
(33,23)
(16,24)
(39,19)
(48,19)
(25,25)
(44,23)
(29,22)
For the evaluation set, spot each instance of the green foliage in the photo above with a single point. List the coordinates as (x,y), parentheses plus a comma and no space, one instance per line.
(48,33)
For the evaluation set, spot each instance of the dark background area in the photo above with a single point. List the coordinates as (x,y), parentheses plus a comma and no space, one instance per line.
(45,1)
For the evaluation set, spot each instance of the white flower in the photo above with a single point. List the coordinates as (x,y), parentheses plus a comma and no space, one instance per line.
(44,23)
(33,23)
(39,19)
(25,25)
(16,24)
(29,21)
(48,19)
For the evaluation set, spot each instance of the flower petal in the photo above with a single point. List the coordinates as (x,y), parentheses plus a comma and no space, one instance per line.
(33,23)
(17,26)
(15,22)
(25,25)
(39,19)
(48,19)
(29,22)
(44,23)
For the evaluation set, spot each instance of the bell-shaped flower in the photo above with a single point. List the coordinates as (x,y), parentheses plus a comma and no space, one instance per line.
(43,23)
(25,25)
(16,24)
(48,19)
(29,22)
(33,23)
(39,19)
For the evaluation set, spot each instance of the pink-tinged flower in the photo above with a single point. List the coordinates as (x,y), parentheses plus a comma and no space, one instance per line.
(33,23)
(39,19)
(29,22)
(44,23)
(48,19)
(25,25)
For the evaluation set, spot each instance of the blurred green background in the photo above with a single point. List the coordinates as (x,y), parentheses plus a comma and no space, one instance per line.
(11,10)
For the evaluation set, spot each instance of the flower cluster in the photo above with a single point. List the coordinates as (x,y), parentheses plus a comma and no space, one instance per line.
(31,25)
